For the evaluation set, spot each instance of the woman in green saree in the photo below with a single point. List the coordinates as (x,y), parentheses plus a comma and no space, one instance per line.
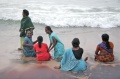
(26,24)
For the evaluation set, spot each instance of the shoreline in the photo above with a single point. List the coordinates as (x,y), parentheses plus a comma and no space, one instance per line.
(42,24)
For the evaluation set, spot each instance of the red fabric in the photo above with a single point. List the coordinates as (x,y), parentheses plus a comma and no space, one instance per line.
(44,55)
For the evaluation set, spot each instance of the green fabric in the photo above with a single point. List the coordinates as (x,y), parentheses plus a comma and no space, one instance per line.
(26,23)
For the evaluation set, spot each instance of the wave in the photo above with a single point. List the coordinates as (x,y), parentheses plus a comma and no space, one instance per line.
(66,15)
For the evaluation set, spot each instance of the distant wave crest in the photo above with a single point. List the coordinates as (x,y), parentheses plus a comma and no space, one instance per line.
(67,16)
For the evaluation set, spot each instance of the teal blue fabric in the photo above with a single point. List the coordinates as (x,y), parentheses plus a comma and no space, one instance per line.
(59,47)
(28,50)
(70,63)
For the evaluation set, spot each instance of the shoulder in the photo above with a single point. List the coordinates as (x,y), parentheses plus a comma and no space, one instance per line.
(81,49)
(111,44)
(44,44)
(53,34)
(28,18)
(68,50)
(100,44)
(35,45)
(26,38)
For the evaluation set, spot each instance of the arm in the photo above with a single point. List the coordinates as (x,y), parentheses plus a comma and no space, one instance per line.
(30,24)
(97,50)
(20,30)
(49,47)
(54,43)
(23,24)
(26,24)
(35,42)
(25,44)
(111,46)
(57,67)
(39,52)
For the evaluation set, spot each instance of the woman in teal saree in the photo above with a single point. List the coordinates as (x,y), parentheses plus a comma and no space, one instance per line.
(28,50)
(72,59)
(55,43)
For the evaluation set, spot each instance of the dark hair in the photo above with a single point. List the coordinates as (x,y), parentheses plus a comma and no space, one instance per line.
(105,37)
(40,40)
(26,12)
(75,42)
(49,28)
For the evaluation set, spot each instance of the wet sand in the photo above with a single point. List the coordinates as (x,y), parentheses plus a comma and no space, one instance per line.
(33,72)
(105,72)
(14,66)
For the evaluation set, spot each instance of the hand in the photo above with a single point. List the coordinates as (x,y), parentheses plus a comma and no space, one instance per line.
(103,54)
(57,67)
(49,50)
(39,52)
(19,30)
(35,42)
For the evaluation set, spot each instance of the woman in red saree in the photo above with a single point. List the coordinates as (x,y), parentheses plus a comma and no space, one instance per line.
(41,50)
(104,50)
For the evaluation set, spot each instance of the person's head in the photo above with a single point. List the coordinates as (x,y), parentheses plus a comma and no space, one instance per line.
(40,40)
(105,37)
(48,30)
(29,34)
(25,13)
(75,42)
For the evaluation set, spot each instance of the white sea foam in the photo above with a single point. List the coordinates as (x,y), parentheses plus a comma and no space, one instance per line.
(61,15)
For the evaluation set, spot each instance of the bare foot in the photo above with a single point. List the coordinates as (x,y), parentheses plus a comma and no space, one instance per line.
(19,48)
(52,58)
(95,59)
(86,59)
(57,67)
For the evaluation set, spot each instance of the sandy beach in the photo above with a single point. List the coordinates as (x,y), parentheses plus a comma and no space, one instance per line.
(14,66)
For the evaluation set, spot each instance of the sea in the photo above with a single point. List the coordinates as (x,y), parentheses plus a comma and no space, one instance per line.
(83,19)
(64,13)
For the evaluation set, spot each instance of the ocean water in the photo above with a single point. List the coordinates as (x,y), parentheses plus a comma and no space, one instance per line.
(64,13)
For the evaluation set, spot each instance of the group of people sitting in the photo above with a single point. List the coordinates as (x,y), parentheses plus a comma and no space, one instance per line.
(70,59)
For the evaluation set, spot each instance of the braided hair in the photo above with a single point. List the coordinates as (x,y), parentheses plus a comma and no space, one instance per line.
(105,37)
(40,40)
